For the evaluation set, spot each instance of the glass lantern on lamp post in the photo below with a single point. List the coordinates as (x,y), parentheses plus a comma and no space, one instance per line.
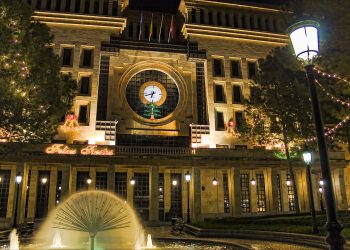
(307,157)
(305,39)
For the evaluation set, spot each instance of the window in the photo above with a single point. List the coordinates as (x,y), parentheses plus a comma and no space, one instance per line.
(220,123)
(218,67)
(141,195)
(161,196)
(290,195)
(210,17)
(176,196)
(67,7)
(101,181)
(87,6)
(83,114)
(67,57)
(193,15)
(42,195)
(245,193)
(77,6)
(4,191)
(87,58)
(131,30)
(237,94)
(121,184)
(236,71)
(81,183)
(201,12)
(105,7)
(251,70)
(279,193)
(59,187)
(218,16)
(219,93)
(85,85)
(260,193)
(226,194)
(239,120)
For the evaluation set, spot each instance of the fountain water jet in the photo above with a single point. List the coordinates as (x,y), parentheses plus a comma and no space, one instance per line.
(86,214)
(57,241)
(14,245)
(149,242)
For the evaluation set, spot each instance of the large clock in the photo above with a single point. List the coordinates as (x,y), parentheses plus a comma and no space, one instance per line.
(151,90)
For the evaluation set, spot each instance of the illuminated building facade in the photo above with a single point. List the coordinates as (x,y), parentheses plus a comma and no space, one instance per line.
(160,95)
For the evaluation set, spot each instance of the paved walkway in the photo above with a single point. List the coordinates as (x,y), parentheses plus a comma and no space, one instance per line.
(165,232)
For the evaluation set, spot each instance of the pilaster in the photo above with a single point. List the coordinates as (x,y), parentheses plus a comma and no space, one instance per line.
(111,178)
(196,195)
(154,194)
(92,174)
(32,194)
(236,192)
(253,196)
(130,189)
(52,188)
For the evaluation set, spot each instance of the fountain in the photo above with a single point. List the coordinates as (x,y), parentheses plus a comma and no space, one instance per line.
(87,214)
(14,240)
(149,242)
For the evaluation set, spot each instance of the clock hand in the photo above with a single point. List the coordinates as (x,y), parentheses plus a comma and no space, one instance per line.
(149,94)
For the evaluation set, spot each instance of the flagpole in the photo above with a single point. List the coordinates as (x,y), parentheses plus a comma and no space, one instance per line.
(150,30)
(160,30)
(141,21)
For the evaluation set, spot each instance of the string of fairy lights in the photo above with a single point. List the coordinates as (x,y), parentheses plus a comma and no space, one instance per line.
(330,132)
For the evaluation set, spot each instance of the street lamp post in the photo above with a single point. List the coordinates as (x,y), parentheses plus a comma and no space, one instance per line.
(304,37)
(307,156)
(18,181)
(188,179)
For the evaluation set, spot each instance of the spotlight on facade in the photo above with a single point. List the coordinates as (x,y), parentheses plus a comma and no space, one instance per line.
(289,183)
(174,182)
(59,188)
(320,189)
(321,182)
(188,176)
(18,178)
(253,182)
(43,180)
(0,179)
(215,182)
(132,181)
(89,180)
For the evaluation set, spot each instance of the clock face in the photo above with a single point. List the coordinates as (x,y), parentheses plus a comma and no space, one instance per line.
(152,94)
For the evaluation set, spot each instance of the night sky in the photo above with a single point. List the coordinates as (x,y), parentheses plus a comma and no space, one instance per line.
(172,5)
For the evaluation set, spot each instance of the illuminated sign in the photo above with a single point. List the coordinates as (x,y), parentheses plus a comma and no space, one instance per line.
(87,150)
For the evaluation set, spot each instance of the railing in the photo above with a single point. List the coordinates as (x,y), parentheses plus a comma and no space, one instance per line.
(153,150)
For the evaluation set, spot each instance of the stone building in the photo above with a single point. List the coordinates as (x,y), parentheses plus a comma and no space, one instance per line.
(152,108)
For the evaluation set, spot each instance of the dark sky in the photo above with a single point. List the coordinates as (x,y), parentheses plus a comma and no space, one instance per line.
(172,5)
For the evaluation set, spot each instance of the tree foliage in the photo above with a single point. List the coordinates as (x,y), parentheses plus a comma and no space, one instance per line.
(279,110)
(34,96)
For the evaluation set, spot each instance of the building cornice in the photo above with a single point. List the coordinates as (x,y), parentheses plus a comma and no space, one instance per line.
(203,3)
(80,20)
(205,31)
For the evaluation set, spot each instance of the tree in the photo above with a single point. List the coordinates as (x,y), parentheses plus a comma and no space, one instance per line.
(34,95)
(279,111)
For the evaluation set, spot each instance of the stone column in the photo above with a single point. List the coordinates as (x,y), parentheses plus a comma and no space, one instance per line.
(11,199)
(215,17)
(92,174)
(316,193)
(236,191)
(154,195)
(92,4)
(230,20)
(82,6)
(53,4)
(206,16)
(52,188)
(339,191)
(111,178)
(284,191)
(196,209)
(110,7)
(271,192)
(72,6)
(270,23)
(63,5)
(301,179)
(239,20)
(66,180)
(167,191)
(100,7)
(344,203)
(198,15)
(23,169)
(32,194)
(130,189)
(33,4)
(247,21)
(43,5)
(263,22)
